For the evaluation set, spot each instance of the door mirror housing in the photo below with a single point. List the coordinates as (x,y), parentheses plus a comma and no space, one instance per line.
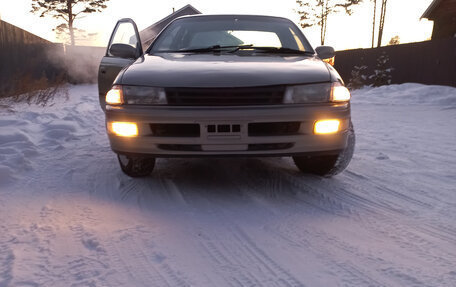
(327,54)
(123,51)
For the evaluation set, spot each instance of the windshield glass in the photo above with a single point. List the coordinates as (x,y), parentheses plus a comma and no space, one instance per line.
(220,31)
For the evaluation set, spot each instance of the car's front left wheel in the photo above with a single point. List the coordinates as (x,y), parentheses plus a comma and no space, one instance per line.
(328,165)
(136,166)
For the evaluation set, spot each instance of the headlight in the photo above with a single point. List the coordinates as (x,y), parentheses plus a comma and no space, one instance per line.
(140,95)
(339,93)
(316,93)
(308,93)
(114,96)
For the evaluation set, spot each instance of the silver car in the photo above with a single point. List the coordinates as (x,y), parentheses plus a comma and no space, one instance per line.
(222,86)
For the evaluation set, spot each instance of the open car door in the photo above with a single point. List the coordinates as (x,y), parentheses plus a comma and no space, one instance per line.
(123,49)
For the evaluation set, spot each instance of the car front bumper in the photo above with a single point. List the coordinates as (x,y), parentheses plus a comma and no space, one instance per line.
(278,130)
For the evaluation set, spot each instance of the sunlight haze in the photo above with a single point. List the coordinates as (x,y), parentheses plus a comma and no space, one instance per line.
(344,32)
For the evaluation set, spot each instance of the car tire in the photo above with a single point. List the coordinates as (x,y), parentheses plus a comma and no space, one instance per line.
(328,165)
(135,166)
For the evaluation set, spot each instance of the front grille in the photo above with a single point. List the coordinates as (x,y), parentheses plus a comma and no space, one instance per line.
(225,96)
(175,130)
(274,129)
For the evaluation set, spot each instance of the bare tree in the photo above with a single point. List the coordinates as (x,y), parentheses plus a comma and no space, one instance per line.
(382,22)
(68,11)
(316,12)
(373,22)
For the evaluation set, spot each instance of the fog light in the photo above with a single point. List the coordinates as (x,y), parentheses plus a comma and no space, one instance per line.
(124,129)
(326,127)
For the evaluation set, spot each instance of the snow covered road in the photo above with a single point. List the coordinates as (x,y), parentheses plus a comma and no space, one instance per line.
(69,217)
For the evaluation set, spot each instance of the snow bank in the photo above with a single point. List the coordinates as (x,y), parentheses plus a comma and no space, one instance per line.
(27,131)
(407,94)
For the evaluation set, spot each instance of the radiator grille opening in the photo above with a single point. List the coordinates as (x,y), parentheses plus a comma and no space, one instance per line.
(274,129)
(175,130)
(225,96)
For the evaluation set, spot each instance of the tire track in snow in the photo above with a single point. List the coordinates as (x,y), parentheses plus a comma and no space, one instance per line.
(7,259)
(145,265)
(233,252)
(410,240)
(241,262)
(349,273)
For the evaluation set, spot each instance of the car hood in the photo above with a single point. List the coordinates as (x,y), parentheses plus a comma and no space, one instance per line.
(223,70)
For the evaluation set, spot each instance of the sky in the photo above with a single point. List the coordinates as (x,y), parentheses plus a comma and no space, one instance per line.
(344,32)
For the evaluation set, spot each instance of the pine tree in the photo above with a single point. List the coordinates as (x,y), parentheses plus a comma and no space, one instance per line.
(382,73)
(68,11)
(358,78)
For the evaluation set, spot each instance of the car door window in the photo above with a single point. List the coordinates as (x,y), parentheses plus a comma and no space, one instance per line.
(125,34)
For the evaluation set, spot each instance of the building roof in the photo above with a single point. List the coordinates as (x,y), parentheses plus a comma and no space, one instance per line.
(440,8)
(148,35)
(431,9)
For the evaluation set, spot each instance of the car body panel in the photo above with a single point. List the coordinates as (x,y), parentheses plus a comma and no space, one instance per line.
(224,70)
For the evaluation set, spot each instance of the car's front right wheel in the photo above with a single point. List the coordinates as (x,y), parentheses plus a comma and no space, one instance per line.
(328,165)
(136,166)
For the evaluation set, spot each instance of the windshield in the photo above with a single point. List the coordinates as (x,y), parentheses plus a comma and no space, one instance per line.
(203,32)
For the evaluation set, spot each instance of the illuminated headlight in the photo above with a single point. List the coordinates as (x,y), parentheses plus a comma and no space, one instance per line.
(123,129)
(325,127)
(114,96)
(339,93)
(141,95)
(316,93)
(307,93)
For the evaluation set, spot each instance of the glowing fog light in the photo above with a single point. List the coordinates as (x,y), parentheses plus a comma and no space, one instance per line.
(114,96)
(340,93)
(326,127)
(124,129)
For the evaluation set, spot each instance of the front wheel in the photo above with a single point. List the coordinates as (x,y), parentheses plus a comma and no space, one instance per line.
(136,166)
(328,165)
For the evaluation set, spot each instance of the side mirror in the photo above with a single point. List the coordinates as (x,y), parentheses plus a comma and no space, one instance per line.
(327,54)
(123,51)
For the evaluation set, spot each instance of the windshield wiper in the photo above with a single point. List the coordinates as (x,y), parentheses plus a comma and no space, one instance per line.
(215,48)
(218,48)
(281,50)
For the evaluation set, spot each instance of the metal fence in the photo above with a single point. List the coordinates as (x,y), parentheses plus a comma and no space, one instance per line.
(431,62)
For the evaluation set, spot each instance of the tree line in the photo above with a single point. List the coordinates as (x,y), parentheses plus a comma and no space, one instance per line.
(316,13)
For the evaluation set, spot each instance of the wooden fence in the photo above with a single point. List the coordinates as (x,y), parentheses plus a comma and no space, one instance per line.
(431,62)
(25,57)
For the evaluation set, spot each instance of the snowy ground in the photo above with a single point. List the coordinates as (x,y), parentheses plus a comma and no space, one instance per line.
(69,217)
